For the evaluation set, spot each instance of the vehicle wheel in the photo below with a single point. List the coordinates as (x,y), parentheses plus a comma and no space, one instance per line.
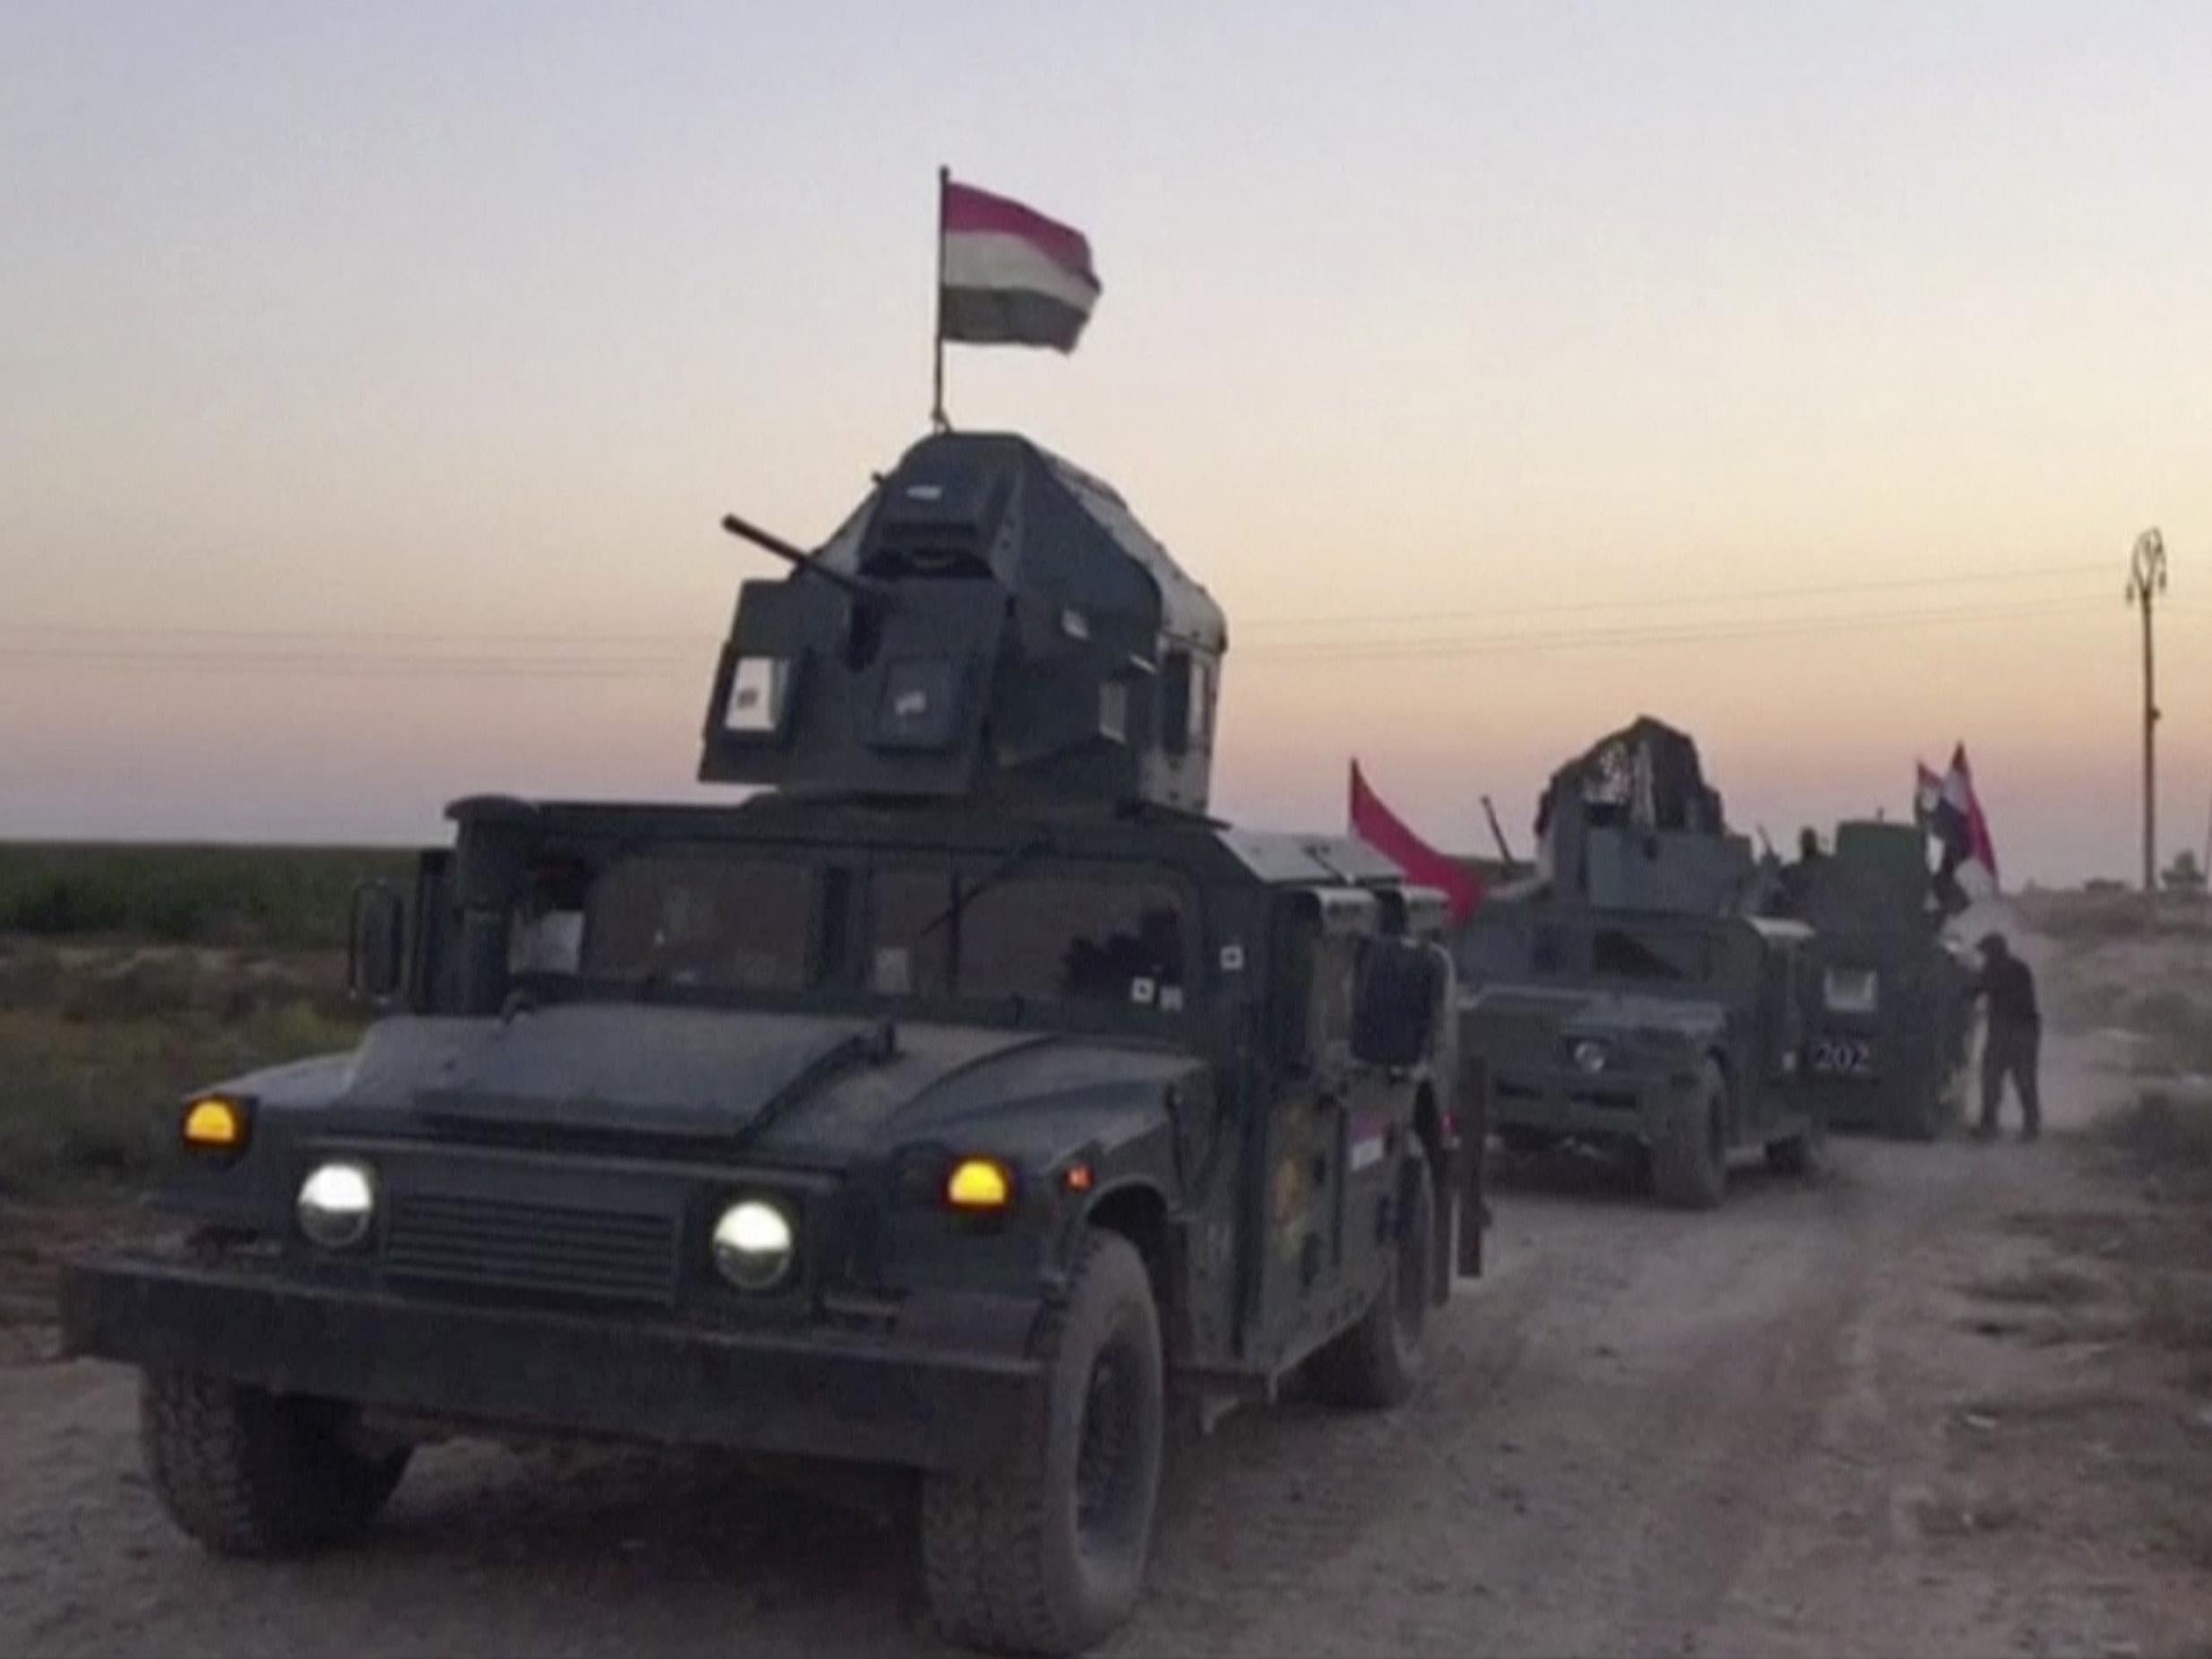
(1800,1155)
(1376,1363)
(1634,1161)
(250,1473)
(1523,1143)
(1690,1159)
(1049,1559)
(1934,1111)
(1928,1115)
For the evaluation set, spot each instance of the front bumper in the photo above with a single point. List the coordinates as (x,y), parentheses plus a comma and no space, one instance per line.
(950,1386)
(1569,1101)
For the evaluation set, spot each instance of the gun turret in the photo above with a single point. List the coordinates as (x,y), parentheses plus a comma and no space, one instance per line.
(990,624)
(1631,824)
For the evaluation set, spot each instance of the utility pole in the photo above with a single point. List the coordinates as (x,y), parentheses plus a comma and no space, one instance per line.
(2146,579)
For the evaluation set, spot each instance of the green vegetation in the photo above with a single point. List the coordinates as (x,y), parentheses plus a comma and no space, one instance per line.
(2169,1133)
(294,897)
(2078,919)
(100,1037)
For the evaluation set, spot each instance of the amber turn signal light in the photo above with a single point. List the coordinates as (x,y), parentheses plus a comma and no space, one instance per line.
(215,1124)
(979,1184)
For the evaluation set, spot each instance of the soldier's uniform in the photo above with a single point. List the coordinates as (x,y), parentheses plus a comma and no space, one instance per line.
(2012,1041)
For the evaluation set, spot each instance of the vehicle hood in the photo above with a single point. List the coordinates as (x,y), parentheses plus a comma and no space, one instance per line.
(788,1084)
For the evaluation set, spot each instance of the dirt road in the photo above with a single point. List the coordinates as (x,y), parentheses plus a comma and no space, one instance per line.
(1817,1423)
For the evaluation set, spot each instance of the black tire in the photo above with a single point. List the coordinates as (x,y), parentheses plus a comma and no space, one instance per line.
(1526,1142)
(1376,1363)
(1922,1119)
(1689,1157)
(1930,1115)
(253,1473)
(1800,1155)
(1049,1559)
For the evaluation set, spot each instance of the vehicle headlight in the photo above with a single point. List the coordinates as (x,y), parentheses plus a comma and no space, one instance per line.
(337,1201)
(753,1244)
(1592,1056)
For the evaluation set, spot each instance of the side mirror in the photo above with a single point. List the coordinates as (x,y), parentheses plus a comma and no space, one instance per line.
(1394,1020)
(377,944)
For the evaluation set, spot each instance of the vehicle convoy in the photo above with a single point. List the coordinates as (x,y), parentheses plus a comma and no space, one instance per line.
(966,1101)
(1626,996)
(1892,1023)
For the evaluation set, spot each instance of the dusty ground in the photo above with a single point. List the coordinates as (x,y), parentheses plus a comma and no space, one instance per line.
(1910,1409)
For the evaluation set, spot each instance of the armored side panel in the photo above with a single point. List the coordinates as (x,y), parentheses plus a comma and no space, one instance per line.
(1878,876)
(993,625)
(1891,1015)
(1670,871)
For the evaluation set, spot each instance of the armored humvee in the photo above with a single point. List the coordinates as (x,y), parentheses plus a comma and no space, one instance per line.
(1625,997)
(964,1102)
(1892,1020)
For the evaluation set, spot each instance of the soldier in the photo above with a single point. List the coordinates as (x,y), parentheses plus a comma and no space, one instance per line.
(2012,1036)
(1791,893)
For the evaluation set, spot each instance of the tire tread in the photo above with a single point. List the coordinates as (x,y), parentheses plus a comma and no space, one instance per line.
(985,1552)
(249,1473)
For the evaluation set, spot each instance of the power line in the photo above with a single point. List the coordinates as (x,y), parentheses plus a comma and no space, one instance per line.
(1682,633)
(353,661)
(342,636)
(1752,596)
(344,665)
(428,641)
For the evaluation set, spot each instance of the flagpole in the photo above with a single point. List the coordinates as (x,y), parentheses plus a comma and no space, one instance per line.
(937,378)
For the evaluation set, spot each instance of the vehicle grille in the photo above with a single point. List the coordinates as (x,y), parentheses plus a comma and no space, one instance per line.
(612,1255)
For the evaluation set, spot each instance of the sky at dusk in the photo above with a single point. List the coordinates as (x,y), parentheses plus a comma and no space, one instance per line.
(372,379)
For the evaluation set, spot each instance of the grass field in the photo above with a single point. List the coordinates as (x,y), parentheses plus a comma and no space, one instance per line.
(277,897)
(95,1101)
(131,974)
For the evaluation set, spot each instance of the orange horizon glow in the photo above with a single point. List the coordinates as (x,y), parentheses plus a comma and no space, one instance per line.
(373,377)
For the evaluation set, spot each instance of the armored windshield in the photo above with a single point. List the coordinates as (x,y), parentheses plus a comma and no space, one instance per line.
(1513,942)
(1043,937)
(928,930)
(733,924)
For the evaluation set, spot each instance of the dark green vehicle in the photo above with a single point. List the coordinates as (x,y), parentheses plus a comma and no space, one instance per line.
(1624,1000)
(1892,1019)
(966,1103)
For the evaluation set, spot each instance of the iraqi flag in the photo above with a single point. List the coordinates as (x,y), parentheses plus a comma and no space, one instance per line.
(1382,830)
(1008,274)
(1950,810)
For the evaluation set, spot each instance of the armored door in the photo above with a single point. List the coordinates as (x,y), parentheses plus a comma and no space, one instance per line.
(1328,1132)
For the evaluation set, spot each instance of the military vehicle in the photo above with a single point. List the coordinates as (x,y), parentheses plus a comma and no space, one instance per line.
(967,1102)
(1892,1022)
(1626,996)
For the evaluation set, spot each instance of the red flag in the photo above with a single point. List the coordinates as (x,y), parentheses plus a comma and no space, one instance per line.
(1382,830)
(1958,794)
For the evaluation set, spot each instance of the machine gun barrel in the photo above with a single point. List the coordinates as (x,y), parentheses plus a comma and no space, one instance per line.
(1497,834)
(769,542)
